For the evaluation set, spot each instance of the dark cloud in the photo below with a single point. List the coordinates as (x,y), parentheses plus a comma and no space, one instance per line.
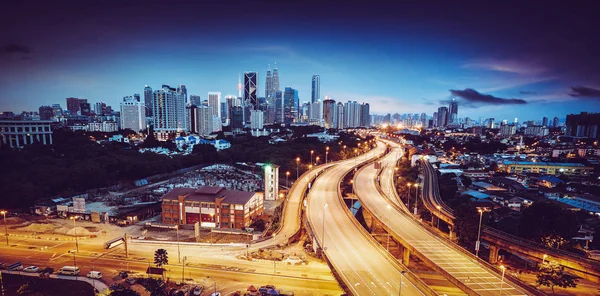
(472,98)
(585,92)
(15,48)
(525,92)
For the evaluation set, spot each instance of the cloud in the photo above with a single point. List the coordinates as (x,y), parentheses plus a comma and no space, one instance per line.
(525,92)
(511,66)
(15,48)
(472,98)
(585,92)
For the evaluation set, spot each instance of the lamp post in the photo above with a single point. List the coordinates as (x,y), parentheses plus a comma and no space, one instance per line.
(502,283)
(287,178)
(323,228)
(183,269)
(439,214)
(76,238)
(297,167)
(326,153)
(178,250)
(478,233)
(345,156)
(408,198)
(544,258)
(5,227)
(317,163)
(402,273)
(311,154)
(416,197)
(208,277)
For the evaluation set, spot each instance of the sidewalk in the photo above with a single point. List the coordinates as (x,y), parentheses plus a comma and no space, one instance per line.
(98,284)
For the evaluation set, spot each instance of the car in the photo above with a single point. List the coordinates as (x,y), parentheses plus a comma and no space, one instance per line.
(94,275)
(197,290)
(31,269)
(216,294)
(2,265)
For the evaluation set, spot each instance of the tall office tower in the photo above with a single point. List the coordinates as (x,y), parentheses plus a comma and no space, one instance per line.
(304,112)
(316,88)
(256,119)
(276,79)
(250,96)
(73,105)
(435,119)
(278,107)
(133,114)
(182,91)
(224,112)
(423,119)
(468,121)
(214,101)
(168,108)
(491,123)
(148,100)
(504,122)
(555,122)
(316,111)
(205,120)
(583,125)
(442,116)
(195,100)
(240,86)
(191,112)
(329,110)
(269,93)
(100,108)
(351,114)
(231,102)
(340,115)
(453,112)
(217,124)
(237,118)
(291,105)
(365,117)
(58,111)
(46,112)
(85,108)
(545,121)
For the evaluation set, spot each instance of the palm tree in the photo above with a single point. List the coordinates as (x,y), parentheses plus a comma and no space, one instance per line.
(161,257)
(156,287)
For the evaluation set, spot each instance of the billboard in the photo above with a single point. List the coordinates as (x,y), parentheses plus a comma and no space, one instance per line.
(78,204)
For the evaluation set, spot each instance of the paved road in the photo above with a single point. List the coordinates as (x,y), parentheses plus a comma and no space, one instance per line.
(354,255)
(459,266)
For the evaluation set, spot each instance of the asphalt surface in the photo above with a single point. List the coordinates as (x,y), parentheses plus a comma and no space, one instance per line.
(442,254)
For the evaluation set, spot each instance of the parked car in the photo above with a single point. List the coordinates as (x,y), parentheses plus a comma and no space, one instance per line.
(94,275)
(31,269)
(47,270)
(265,289)
(196,291)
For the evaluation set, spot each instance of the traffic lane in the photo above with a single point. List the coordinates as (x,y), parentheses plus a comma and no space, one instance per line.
(476,277)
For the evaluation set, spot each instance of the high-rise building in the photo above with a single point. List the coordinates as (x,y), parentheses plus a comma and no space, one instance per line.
(555,122)
(271,182)
(237,118)
(250,89)
(214,101)
(507,130)
(442,115)
(340,116)
(269,90)
(291,105)
(453,112)
(205,120)
(545,121)
(85,108)
(329,110)
(224,112)
(276,79)
(278,107)
(423,119)
(585,125)
(256,119)
(316,111)
(192,119)
(316,89)
(491,123)
(100,108)
(133,114)
(73,105)
(182,91)
(435,119)
(46,112)
(148,100)
(58,111)
(168,108)
(195,100)
(365,117)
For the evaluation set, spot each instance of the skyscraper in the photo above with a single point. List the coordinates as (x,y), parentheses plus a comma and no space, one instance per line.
(224,112)
(74,105)
(316,89)
(133,113)
(46,112)
(365,117)
(545,121)
(453,112)
(205,120)
(585,125)
(555,122)
(339,116)
(168,108)
(192,119)
(276,79)
(58,111)
(442,116)
(269,94)
(85,108)
(100,108)
(278,107)
(148,100)
(214,100)
(237,118)
(329,110)
(256,119)
(182,91)
(250,95)
(291,105)
(195,100)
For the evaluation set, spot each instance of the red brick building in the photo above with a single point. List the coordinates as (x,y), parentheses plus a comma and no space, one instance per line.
(212,207)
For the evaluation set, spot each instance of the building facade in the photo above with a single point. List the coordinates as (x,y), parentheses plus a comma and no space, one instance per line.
(18,133)
(316,89)
(168,108)
(133,114)
(271,182)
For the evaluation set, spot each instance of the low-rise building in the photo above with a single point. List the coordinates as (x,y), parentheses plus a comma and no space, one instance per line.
(550,168)
(18,133)
(212,207)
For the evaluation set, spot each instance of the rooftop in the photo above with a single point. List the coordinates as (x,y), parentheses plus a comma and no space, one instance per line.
(541,163)
(210,194)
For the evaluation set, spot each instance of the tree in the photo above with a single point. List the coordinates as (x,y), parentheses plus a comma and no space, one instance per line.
(467,225)
(546,222)
(161,257)
(156,287)
(552,274)
(121,290)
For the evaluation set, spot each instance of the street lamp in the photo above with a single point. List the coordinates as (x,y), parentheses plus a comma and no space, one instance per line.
(544,258)
(439,214)
(502,283)
(287,178)
(345,156)
(402,273)
(297,167)
(318,160)
(416,196)
(408,198)
(478,233)
(5,227)
(326,153)
(178,250)
(183,269)
(311,154)
(208,277)
(76,239)
(323,238)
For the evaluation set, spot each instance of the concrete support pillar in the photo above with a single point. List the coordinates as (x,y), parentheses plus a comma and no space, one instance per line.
(405,256)
(494,254)
(452,234)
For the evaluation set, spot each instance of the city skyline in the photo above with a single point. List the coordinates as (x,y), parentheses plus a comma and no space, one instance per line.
(413,61)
